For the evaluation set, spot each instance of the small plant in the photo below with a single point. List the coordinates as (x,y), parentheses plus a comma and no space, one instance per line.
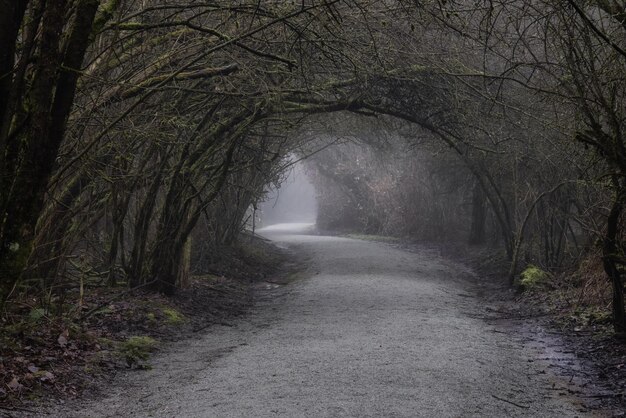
(587,316)
(172,316)
(533,277)
(137,350)
(36,314)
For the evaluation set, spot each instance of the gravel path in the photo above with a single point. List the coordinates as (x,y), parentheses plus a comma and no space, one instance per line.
(373,332)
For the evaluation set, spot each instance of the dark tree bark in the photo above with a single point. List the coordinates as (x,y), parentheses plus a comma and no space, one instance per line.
(142,226)
(52,96)
(610,258)
(22,202)
(10,22)
(479,217)
(168,251)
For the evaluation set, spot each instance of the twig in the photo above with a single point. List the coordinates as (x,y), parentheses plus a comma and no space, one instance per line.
(511,402)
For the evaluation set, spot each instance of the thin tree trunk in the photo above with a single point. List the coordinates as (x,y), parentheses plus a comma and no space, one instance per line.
(610,254)
(184,266)
(479,217)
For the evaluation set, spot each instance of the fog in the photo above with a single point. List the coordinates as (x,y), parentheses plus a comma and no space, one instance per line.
(293,202)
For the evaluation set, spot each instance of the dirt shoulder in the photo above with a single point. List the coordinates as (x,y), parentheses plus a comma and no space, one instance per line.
(47,360)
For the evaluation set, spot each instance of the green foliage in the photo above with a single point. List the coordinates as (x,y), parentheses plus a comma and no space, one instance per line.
(104,311)
(130,26)
(591,316)
(533,277)
(106,342)
(105,13)
(137,349)
(36,314)
(172,316)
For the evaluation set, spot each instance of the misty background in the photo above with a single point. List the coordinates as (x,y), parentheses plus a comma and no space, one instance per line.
(293,201)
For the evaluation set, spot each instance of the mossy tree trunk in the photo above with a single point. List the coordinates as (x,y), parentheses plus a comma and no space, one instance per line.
(51,97)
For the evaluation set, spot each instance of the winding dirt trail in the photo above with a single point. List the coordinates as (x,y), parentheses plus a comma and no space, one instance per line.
(375,331)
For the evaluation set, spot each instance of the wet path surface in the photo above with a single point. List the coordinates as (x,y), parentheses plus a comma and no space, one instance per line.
(374,331)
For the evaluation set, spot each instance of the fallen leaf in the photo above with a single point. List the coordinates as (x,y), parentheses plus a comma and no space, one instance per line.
(33,369)
(62,340)
(47,377)
(15,385)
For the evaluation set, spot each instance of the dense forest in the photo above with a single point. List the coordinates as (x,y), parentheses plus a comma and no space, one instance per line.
(135,132)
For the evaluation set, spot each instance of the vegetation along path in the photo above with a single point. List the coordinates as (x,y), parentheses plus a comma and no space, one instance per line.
(372,331)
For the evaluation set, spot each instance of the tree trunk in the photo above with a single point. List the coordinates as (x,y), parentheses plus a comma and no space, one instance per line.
(10,22)
(52,97)
(166,258)
(184,266)
(479,217)
(610,256)
(23,201)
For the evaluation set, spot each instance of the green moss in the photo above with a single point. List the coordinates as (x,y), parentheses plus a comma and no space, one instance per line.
(104,15)
(36,314)
(585,316)
(419,68)
(533,277)
(105,342)
(172,316)
(103,311)
(601,317)
(130,26)
(137,349)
